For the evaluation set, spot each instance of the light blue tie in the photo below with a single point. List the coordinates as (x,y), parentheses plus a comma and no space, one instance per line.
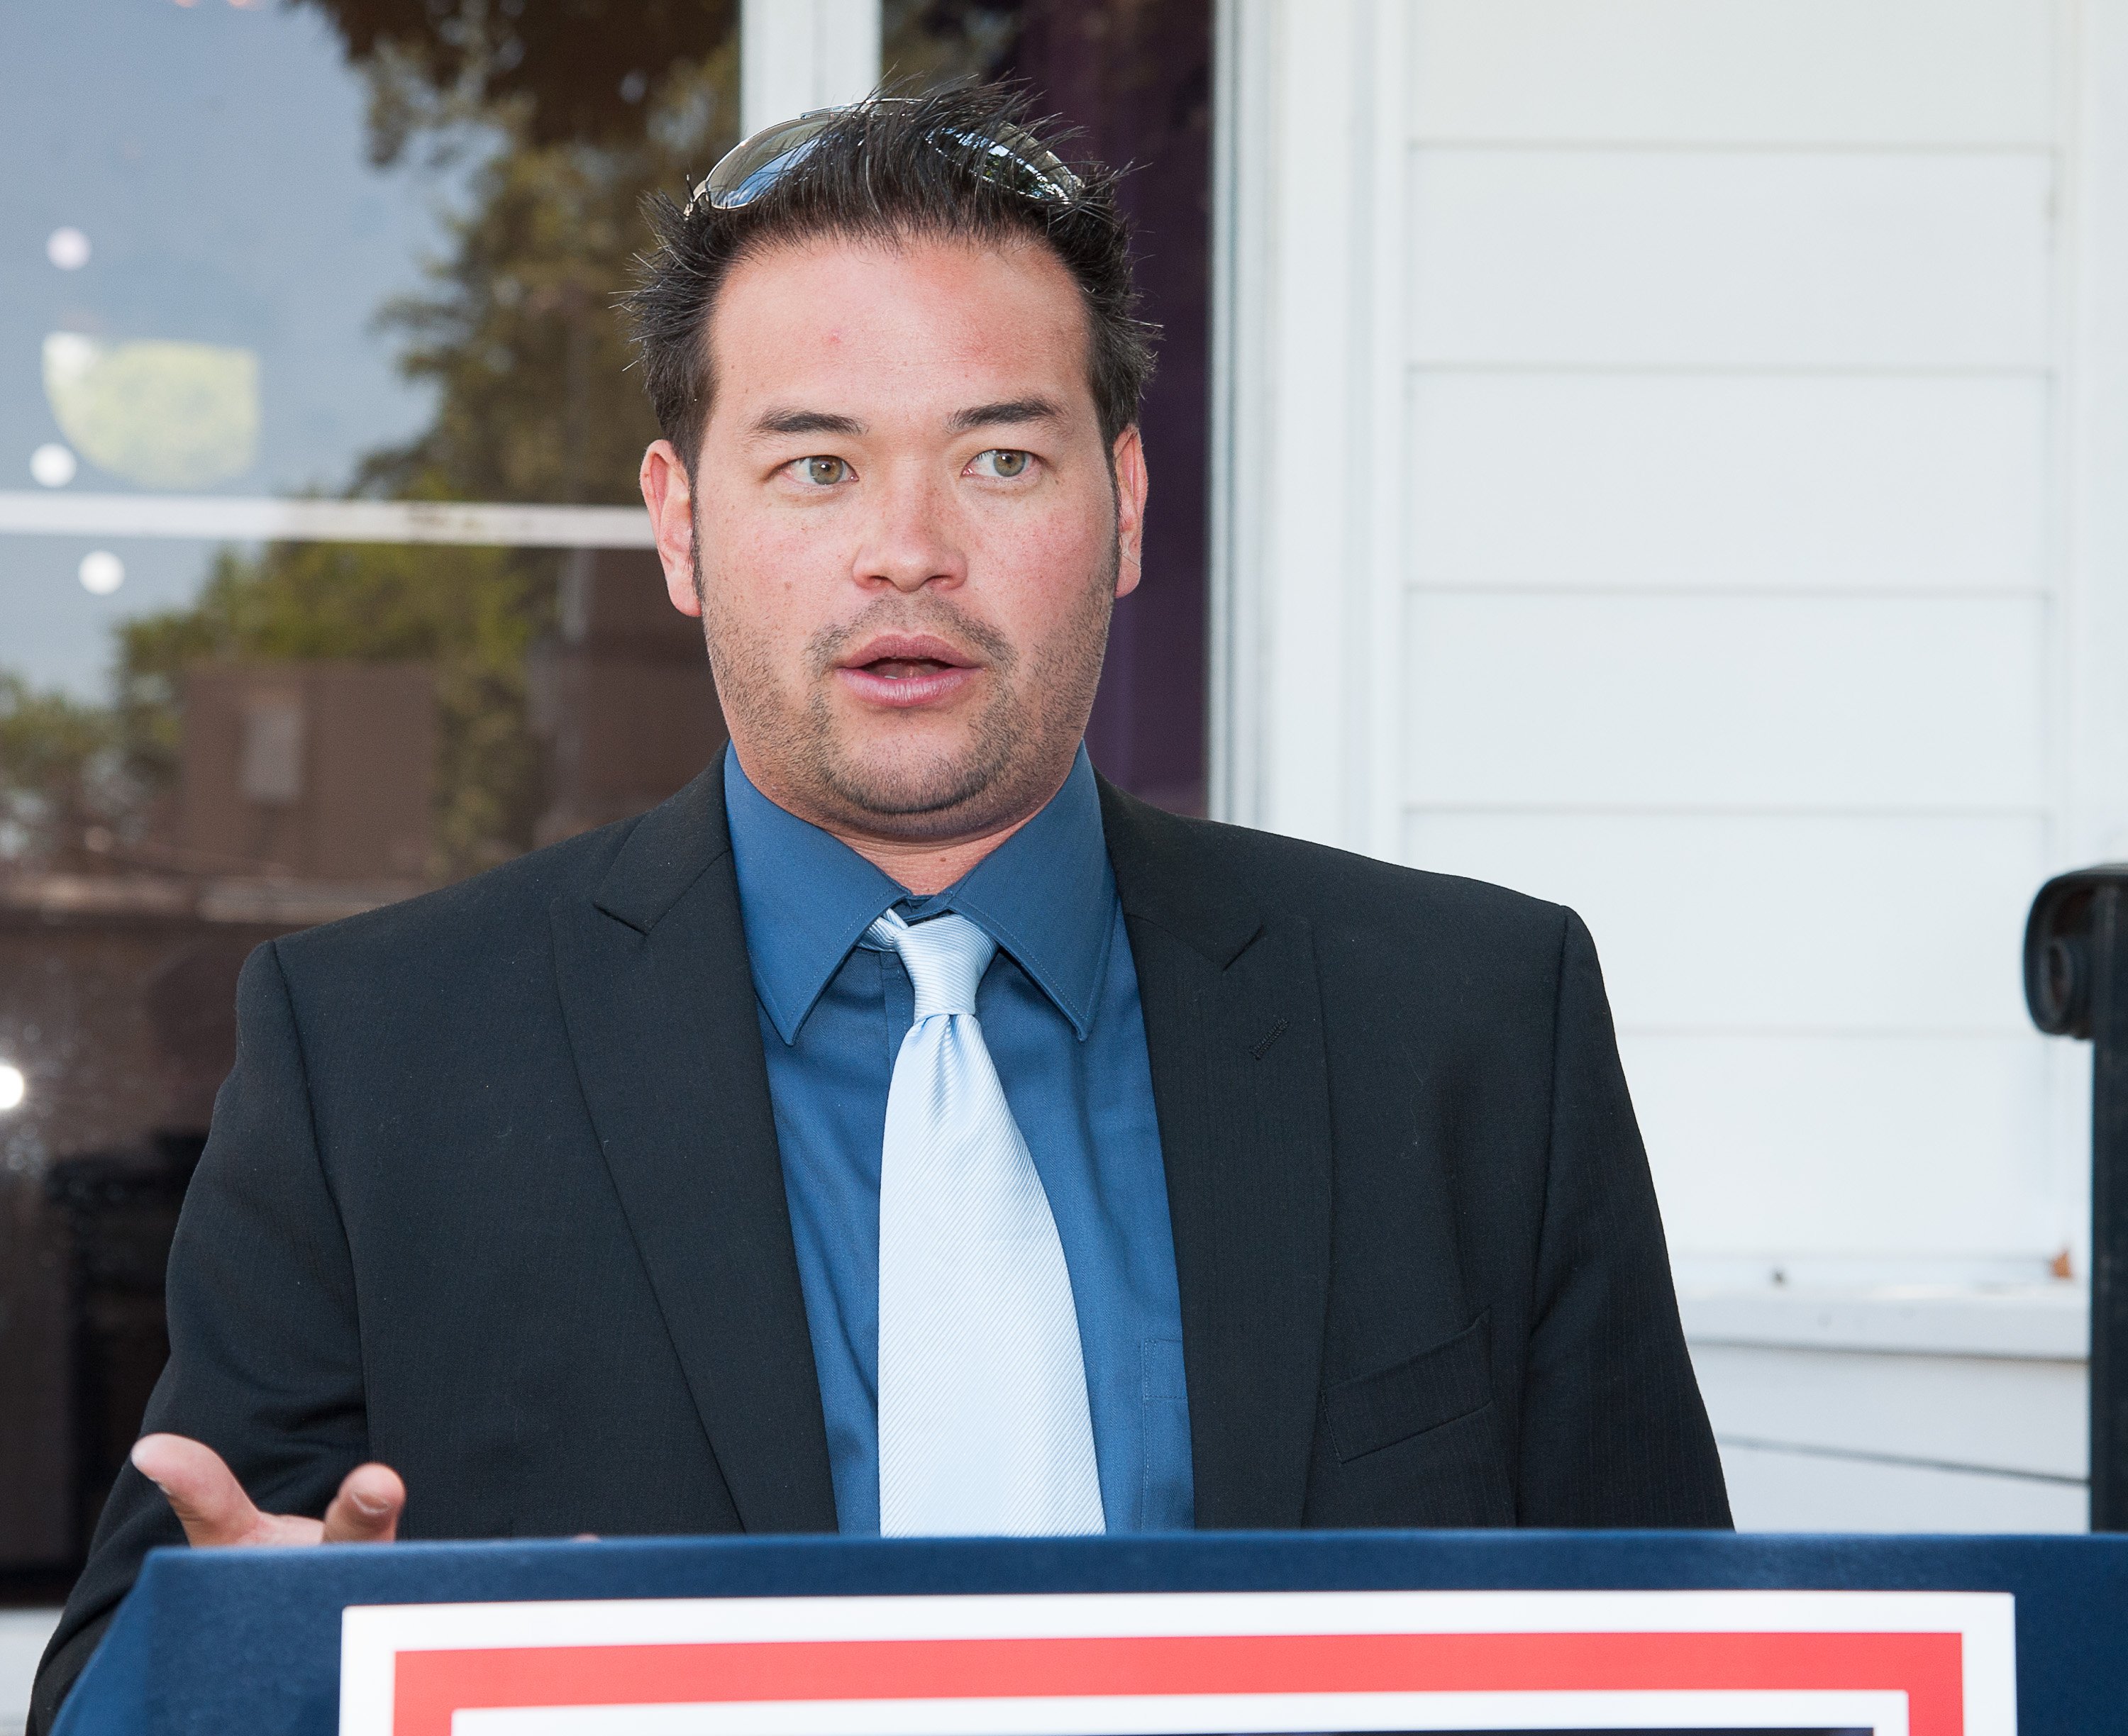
(983,1424)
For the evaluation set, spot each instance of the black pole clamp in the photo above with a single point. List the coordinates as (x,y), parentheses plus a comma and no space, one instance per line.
(2076,985)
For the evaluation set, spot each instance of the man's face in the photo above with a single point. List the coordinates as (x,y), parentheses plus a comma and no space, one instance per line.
(906,534)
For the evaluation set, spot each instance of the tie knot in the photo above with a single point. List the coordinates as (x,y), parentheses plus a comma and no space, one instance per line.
(945,957)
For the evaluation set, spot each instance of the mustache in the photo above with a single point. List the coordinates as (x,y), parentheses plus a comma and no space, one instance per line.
(925,614)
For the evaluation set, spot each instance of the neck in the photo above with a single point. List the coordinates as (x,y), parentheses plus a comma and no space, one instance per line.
(922,865)
(925,867)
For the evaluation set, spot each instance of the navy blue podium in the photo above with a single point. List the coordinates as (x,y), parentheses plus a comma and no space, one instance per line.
(252,1642)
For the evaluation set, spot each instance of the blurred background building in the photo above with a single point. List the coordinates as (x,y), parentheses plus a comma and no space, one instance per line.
(1660,454)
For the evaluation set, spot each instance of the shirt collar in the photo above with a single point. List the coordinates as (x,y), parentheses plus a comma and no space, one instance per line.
(1045,895)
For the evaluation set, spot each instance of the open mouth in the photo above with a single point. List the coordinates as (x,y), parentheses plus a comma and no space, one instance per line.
(906,670)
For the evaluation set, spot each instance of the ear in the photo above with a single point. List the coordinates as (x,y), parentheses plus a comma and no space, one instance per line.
(671,498)
(1129,466)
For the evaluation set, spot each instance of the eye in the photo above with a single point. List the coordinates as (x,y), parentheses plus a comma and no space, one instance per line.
(823,472)
(1004,463)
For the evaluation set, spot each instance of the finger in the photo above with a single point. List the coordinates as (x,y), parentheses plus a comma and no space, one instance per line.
(203,1492)
(367,1507)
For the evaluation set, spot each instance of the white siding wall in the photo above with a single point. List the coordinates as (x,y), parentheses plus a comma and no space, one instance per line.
(1668,471)
(1714,303)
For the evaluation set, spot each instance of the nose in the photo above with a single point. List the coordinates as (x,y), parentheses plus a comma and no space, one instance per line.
(909,540)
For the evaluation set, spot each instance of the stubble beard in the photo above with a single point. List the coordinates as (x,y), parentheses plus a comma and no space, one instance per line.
(1012,755)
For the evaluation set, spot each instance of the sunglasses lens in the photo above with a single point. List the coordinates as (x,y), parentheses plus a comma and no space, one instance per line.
(1011,159)
(750,168)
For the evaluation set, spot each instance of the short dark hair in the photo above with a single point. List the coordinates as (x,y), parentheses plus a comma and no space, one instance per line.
(890,169)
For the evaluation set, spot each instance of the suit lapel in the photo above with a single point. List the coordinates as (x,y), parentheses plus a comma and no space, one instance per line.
(1233,1029)
(660,1008)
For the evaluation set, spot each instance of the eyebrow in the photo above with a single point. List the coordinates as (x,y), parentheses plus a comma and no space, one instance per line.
(1011,411)
(1008,412)
(805,422)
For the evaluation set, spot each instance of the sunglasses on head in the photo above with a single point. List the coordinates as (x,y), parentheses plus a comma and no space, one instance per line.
(1005,156)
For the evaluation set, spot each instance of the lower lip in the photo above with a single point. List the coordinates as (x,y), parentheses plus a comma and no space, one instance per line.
(908,692)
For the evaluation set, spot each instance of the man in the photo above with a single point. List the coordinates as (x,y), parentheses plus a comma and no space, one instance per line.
(901,1130)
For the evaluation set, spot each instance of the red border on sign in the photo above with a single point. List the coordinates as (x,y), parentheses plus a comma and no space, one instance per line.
(430,1686)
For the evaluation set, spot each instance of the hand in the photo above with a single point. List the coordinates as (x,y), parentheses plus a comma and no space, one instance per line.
(217,1514)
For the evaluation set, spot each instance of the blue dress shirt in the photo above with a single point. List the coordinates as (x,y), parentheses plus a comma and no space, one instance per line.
(1059,1009)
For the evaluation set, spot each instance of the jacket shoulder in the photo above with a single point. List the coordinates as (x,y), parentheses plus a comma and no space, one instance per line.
(1336,891)
(497,910)
(1333,884)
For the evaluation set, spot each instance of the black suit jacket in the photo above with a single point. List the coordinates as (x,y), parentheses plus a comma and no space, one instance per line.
(493,1196)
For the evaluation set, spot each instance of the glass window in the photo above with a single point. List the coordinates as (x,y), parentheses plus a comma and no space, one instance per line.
(259,260)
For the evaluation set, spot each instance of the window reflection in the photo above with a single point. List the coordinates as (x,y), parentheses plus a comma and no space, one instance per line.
(162,414)
(341,247)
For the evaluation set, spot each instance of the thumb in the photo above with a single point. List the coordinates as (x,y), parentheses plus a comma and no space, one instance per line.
(203,1492)
(367,1507)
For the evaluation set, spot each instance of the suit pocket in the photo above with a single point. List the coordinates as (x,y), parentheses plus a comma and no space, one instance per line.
(1452,1380)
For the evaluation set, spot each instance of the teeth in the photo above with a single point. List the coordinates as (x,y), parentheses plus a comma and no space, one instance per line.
(904,669)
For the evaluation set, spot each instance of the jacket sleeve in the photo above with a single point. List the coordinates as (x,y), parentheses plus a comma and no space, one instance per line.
(265,1358)
(1614,1434)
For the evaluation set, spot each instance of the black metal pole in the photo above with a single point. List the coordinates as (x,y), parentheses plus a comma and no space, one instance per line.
(2076,983)
(2109,1220)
